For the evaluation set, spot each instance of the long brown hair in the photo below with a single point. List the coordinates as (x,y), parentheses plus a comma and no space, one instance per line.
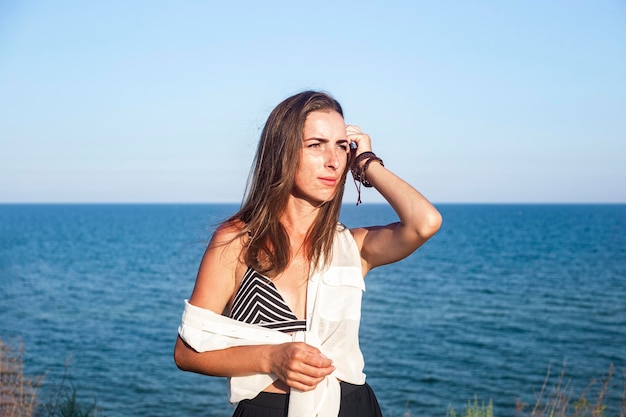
(271,182)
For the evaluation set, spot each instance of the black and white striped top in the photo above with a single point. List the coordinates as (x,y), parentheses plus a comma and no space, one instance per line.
(258,302)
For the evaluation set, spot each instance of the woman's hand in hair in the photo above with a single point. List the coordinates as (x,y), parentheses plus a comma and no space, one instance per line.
(362,140)
(299,365)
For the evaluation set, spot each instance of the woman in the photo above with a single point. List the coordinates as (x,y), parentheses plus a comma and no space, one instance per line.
(276,304)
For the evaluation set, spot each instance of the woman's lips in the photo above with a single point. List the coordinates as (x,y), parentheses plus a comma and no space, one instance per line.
(329,180)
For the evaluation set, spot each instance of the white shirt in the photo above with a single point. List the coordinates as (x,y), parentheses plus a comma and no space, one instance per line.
(333,317)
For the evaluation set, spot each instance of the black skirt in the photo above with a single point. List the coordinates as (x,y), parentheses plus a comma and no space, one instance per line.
(356,401)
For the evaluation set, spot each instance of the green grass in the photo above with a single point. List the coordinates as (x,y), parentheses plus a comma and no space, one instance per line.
(475,409)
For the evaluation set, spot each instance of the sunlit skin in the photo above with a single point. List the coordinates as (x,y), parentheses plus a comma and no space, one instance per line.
(323,157)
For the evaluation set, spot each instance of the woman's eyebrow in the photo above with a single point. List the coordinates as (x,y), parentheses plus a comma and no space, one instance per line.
(325,140)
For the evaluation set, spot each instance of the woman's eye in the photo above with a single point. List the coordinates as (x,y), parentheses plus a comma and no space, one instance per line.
(315,145)
(343,147)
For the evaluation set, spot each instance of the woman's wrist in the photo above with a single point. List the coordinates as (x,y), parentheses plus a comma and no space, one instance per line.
(360,160)
(266,359)
(359,169)
(366,165)
(361,164)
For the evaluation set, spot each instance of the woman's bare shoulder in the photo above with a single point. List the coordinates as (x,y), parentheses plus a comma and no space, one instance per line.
(229,233)
(221,264)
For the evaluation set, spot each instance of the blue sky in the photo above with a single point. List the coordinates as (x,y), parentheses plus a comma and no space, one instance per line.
(470,101)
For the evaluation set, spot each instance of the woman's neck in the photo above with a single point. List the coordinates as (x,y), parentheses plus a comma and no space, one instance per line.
(298,217)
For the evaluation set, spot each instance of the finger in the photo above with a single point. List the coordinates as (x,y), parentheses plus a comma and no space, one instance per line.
(353,130)
(313,365)
(355,141)
(309,350)
(306,360)
(303,380)
(309,375)
(318,361)
(316,371)
(313,357)
(301,386)
(362,141)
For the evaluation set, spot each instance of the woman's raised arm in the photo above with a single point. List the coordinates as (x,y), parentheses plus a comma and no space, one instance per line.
(419,219)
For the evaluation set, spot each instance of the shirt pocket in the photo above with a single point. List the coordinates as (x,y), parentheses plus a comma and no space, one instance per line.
(342,290)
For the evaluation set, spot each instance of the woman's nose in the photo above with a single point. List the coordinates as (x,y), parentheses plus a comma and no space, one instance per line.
(332,158)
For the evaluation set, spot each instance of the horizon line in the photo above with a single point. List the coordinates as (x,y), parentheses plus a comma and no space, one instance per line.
(343,203)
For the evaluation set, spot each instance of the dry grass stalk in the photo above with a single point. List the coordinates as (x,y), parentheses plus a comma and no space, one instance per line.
(18,394)
(557,401)
(623,405)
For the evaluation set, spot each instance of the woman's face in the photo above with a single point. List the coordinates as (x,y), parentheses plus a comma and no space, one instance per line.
(323,157)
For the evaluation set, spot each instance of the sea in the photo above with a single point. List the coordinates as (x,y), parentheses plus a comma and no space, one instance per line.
(506,300)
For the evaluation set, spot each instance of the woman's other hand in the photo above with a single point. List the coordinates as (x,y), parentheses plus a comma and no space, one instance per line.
(362,140)
(299,365)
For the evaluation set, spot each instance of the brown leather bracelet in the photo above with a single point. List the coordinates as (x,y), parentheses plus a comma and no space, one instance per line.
(358,173)
(360,158)
(364,181)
